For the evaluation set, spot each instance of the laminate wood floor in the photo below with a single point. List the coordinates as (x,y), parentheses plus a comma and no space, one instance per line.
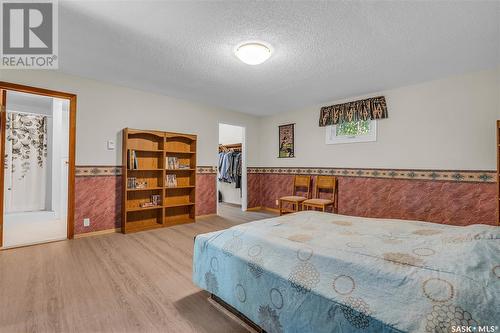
(113,283)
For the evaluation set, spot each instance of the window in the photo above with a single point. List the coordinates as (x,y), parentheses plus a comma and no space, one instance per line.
(350,132)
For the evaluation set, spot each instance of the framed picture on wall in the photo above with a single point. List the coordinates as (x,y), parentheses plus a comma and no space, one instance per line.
(286,141)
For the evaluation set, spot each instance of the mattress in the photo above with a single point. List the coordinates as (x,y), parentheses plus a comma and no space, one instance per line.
(321,272)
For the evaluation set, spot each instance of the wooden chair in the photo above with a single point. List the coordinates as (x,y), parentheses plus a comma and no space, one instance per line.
(303,182)
(323,183)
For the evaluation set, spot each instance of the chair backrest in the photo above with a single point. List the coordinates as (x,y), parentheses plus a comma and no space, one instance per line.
(328,183)
(303,182)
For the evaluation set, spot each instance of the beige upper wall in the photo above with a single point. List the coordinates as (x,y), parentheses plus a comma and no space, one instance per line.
(104,110)
(443,124)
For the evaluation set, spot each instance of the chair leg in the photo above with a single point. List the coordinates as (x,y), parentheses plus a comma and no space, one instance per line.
(323,208)
(280,206)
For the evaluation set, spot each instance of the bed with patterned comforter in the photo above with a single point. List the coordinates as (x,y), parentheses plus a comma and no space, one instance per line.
(320,272)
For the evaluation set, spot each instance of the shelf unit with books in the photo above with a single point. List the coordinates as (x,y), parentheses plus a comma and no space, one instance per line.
(179,195)
(159,179)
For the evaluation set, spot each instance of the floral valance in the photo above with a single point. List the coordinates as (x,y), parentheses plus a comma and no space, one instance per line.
(370,108)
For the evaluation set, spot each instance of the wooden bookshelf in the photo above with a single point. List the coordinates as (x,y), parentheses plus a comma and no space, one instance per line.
(145,158)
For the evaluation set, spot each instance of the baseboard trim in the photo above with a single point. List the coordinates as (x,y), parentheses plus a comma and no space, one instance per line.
(255,208)
(269,209)
(274,210)
(110,231)
(205,215)
(97,233)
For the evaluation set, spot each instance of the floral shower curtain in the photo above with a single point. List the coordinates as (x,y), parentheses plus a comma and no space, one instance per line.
(25,162)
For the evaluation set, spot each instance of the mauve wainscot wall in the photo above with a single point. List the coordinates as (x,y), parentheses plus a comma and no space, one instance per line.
(98,196)
(448,197)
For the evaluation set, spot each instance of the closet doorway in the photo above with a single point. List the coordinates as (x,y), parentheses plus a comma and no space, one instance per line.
(231,169)
(37,176)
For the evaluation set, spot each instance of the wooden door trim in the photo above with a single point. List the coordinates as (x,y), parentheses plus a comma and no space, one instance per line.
(6,86)
(35,90)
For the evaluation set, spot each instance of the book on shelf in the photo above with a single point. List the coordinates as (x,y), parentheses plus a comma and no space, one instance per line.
(171,180)
(184,166)
(147,205)
(133,183)
(172,162)
(132,163)
(155,201)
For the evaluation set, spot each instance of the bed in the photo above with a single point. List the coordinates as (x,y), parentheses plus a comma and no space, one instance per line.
(320,272)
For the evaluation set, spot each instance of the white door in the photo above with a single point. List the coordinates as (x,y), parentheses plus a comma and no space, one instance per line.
(36,169)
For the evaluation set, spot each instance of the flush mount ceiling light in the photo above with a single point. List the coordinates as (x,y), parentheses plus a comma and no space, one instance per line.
(253,53)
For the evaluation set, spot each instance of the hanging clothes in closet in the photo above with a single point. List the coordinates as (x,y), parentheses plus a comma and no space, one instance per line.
(229,170)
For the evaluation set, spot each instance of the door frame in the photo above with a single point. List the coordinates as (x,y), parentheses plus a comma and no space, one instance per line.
(6,86)
(244,174)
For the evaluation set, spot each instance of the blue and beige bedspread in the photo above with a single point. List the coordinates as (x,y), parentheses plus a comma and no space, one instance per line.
(319,272)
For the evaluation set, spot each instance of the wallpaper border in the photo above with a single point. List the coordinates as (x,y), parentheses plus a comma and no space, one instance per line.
(467,176)
(116,170)
(477,176)
(97,170)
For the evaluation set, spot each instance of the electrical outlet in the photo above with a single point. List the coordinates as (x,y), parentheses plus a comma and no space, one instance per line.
(277,202)
(86,222)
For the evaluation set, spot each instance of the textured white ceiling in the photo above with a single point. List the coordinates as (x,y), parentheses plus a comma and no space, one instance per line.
(323,50)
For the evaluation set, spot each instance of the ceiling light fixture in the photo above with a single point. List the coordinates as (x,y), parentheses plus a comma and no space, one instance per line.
(253,53)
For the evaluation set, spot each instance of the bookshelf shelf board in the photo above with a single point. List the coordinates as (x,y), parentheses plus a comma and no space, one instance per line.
(145,169)
(179,205)
(138,209)
(142,227)
(175,221)
(190,169)
(145,189)
(177,187)
(179,152)
(148,150)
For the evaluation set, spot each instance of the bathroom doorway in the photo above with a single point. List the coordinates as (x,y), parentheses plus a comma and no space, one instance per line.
(231,169)
(37,176)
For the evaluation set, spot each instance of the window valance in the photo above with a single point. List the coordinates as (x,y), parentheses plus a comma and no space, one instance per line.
(370,108)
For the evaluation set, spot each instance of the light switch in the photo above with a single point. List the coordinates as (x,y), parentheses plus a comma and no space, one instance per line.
(111,145)
(86,222)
